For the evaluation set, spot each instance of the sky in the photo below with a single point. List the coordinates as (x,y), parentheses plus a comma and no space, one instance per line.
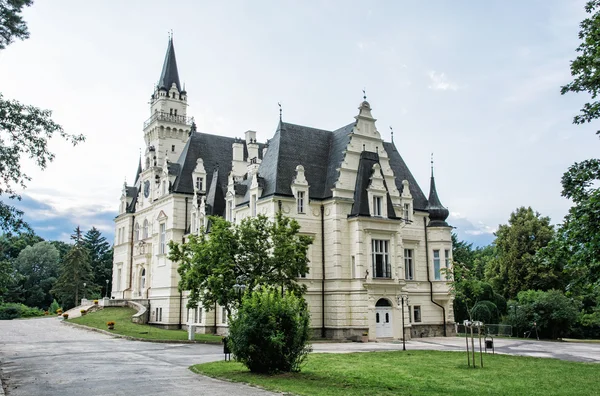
(475,83)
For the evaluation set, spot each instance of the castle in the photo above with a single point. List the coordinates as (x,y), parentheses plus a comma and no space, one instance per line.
(380,245)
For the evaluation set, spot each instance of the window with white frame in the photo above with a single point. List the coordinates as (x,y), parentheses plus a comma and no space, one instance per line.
(409,314)
(436,265)
(253,205)
(119,272)
(300,201)
(381,258)
(136,234)
(164,187)
(199,183)
(163,239)
(447,261)
(224,315)
(377,206)
(409,264)
(406,214)
(198,315)
(417,313)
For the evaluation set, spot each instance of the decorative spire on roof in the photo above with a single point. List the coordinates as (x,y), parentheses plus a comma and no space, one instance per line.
(392,133)
(139,169)
(437,212)
(169,74)
(280,111)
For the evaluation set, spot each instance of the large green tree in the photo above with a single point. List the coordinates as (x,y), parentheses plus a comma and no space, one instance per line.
(75,270)
(24,130)
(101,257)
(516,267)
(37,269)
(255,253)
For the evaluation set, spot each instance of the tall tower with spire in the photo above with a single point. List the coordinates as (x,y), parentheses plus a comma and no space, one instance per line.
(167,129)
(437,212)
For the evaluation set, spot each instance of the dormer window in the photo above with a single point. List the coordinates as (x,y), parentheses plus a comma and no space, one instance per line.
(406,214)
(300,202)
(199,183)
(377,206)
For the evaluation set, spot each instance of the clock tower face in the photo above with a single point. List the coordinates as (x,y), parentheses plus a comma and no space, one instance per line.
(146,188)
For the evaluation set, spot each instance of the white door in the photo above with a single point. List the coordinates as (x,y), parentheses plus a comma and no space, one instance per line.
(383,322)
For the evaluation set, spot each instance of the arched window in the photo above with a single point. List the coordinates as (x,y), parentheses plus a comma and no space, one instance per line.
(145,229)
(136,234)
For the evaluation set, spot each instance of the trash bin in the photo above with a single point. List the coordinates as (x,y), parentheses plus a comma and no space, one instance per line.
(226,348)
(489,344)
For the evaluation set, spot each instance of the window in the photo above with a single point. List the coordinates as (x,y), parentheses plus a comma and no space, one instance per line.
(199,183)
(175,109)
(143,279)
(377,317)
(377,206)
(173,148)
(119,236)
(409,265)
(164,187)
(409,315)
(253,205)
(447,261)
(145,232)
(406,212)
(224,315)
(160,314)
(136,234)
(163,238)
(436,265)
(119,279)
(198,315)
(300,201)
(170,111)
(229,210)
(417,313)
(381,261)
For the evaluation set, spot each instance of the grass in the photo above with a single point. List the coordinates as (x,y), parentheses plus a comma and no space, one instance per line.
(124,326)
(420,373)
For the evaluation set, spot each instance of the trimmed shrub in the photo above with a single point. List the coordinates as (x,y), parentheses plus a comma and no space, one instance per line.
(14,311)
(270,333)
(485,311)
(54,307)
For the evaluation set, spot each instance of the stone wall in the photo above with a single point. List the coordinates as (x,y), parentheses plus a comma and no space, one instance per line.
(429,330)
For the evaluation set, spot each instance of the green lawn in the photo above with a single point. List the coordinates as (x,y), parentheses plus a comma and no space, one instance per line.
(124,326)
(420,373)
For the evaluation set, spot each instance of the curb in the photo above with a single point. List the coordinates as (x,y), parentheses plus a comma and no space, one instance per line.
(83,327)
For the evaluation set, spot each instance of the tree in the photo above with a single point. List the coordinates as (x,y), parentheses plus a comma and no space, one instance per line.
(75,270)
(10,247)
(24,130)
(101,257)
(516,267)
(37,266)
(586,67)
(255,253)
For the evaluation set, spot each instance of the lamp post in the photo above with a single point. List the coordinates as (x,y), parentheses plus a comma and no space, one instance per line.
(401,300)
(107,288)
(84,290)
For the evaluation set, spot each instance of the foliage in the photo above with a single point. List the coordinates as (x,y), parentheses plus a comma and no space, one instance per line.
(14,310)
(270,332)
(418,373)
(516,267)
(65,315)
(54,307)
(586,67)
(37,268)
(12,25)
(110,323)
(101,258)
(75,270)
(126,327)
(24,130)
(486,312)
(550,311)
(255,253)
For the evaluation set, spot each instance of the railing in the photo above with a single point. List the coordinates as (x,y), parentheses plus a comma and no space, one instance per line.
(162,116)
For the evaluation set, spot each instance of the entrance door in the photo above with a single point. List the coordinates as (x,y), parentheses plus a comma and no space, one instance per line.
(383,319)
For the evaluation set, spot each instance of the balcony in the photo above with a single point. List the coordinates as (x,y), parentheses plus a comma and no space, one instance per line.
(175,119)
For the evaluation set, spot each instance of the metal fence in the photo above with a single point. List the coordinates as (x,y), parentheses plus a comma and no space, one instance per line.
(489,329)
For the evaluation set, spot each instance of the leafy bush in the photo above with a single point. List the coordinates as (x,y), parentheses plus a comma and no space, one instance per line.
(485,311)
(269,334)
(54,307)
(13,311)
(552,312)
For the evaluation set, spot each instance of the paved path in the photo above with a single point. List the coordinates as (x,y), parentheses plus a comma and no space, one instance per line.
(44,357)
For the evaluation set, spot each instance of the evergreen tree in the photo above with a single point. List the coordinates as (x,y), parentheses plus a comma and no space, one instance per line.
(101,257)
(75,270)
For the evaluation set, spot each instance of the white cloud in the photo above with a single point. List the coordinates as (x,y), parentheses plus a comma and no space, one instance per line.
(439,82)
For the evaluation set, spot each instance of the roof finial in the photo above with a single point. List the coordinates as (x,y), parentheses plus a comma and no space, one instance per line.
(392,132)
(280,110)
(364,94)
(431,164)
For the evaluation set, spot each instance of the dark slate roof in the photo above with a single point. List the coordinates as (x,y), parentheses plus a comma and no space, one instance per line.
(169,74)
(214,150)
(215,198)
(437,212)
(132,192)
(174,168)
(139,172)
(360,207)
(402,172)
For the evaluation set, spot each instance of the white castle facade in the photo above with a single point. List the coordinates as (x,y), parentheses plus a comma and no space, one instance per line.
(380,245)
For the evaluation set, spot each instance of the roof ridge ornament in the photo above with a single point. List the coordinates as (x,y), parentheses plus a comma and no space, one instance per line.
(392,133)
(280,111)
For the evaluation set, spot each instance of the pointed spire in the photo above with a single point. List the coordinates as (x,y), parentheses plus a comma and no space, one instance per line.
(139,170)
(280,111)
(437,212)
(169,74)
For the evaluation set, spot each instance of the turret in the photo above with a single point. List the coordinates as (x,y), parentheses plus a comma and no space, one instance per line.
(437,212)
